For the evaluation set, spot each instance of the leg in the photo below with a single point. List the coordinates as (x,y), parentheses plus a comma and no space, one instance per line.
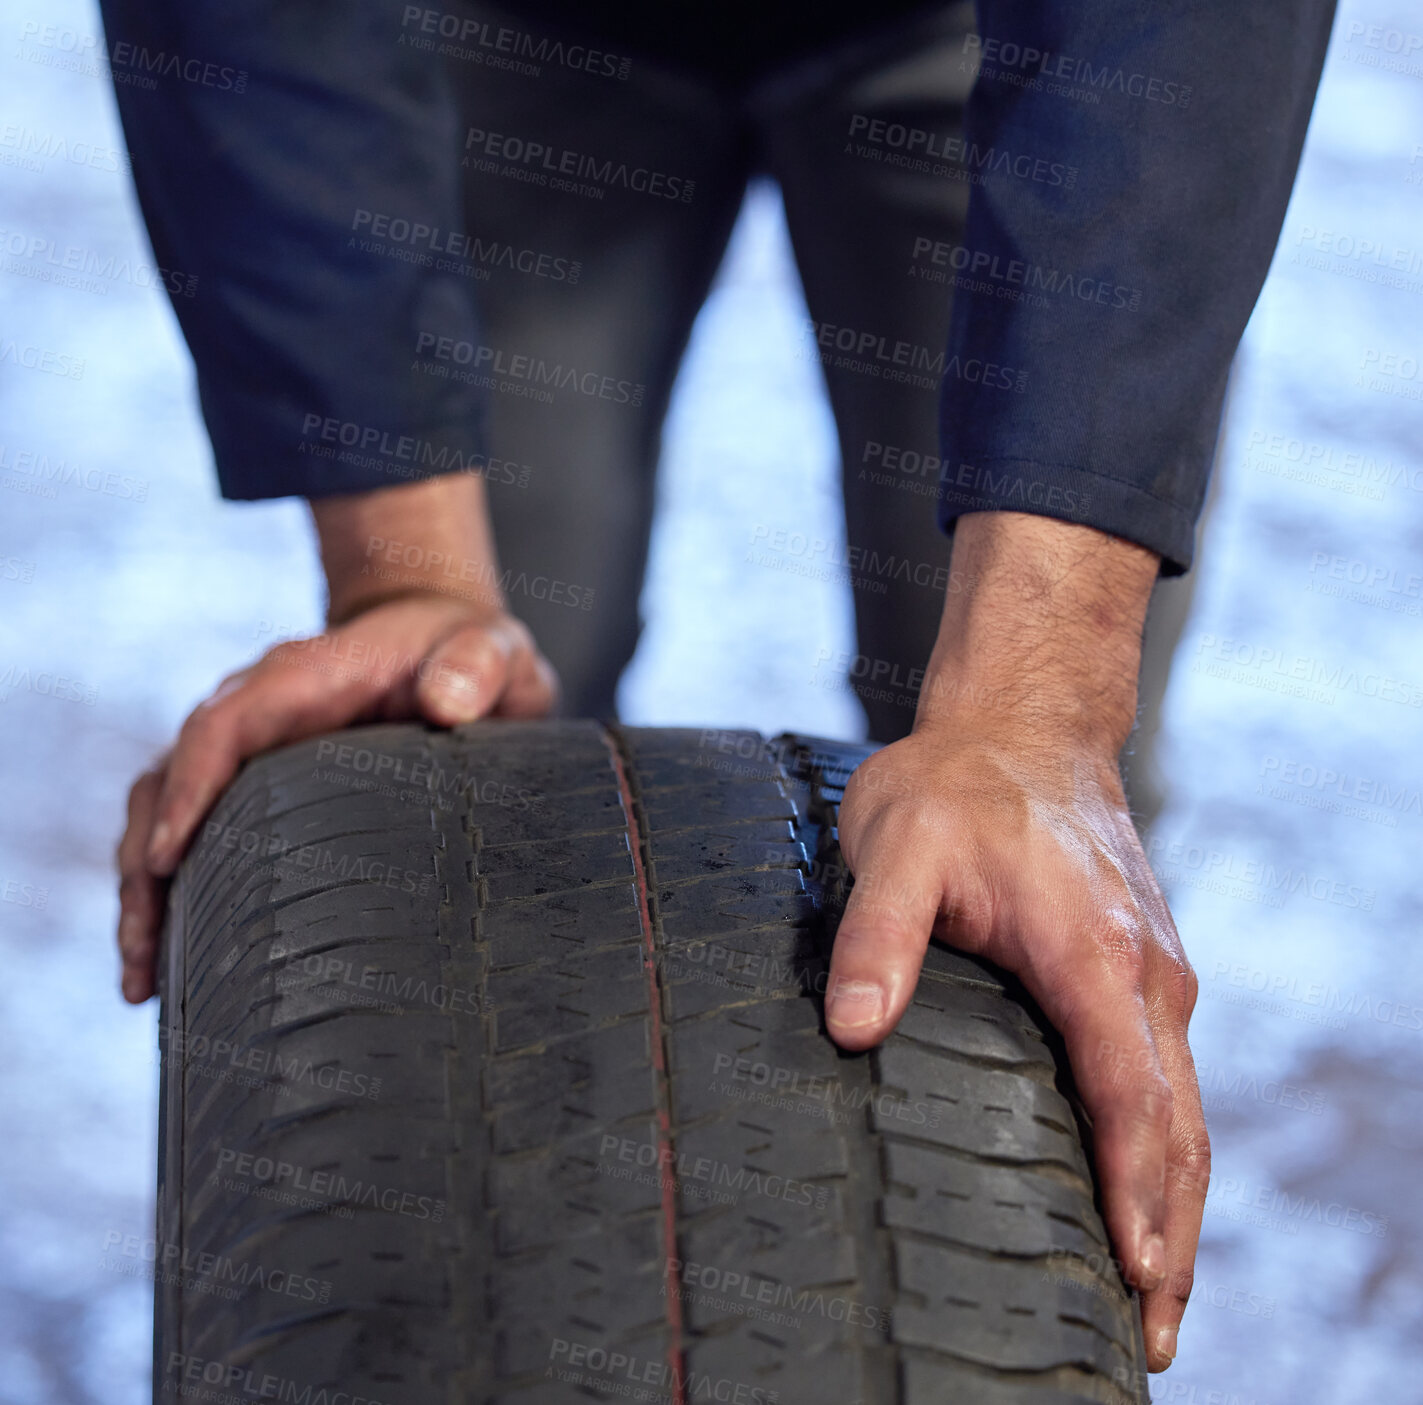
(860,229)
(581,361)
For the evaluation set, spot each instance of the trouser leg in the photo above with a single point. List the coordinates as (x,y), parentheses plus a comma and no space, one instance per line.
(863,233)
(581,360)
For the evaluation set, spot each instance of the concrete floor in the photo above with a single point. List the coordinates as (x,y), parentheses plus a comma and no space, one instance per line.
(1309,1034)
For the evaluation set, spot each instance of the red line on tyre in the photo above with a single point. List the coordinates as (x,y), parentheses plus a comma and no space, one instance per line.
(666,1162)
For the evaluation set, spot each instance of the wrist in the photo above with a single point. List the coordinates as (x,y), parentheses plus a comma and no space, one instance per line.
(429,538)
(1048,640)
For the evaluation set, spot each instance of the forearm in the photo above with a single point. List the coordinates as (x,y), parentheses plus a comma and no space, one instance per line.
(432,536)
(1050,635)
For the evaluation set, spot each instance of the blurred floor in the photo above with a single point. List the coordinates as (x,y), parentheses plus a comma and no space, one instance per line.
(1291,745)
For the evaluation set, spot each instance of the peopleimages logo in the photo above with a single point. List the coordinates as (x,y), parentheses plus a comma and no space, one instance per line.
(738,1290)
(426,775)
(123,61)
(676,1169)
(1241,660)
(869,353)
(1272,1208)
(42,358)
(489,253)
(961,156)
(532,373)
(39,257)
(1009,488)
(467,38)
(1175,860)
(1334,1003)
(30,471)
(271,853)
(1390,794)
(187,1375)
(999,53)
(582,1363)
(821,1095)
(204,1271)
(988,271)
(30,144)
(249,1167)
(543,164)
(222,1061)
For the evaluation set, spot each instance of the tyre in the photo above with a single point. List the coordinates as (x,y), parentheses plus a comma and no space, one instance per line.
(495,1073)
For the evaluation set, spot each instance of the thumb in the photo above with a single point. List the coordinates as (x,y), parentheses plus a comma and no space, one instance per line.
(880,944)
(464,675)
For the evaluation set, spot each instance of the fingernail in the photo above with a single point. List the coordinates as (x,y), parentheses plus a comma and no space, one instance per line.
(854,1004)
(1165,1343)
(158,842)
(1153,1258)
(461,693)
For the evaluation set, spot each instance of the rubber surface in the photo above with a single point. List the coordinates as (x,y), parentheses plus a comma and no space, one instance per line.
(495,1072)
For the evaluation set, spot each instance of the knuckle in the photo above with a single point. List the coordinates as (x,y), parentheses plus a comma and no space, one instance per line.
(1118,934)
(1190,987)
(1180,1282)
(1191,984)
(924,814)
(1174,985)
(879,776)
(204,722)
(909,814)
(1189,1163)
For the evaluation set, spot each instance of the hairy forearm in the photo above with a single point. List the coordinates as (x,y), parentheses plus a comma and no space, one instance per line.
(1050,635)
(430,536)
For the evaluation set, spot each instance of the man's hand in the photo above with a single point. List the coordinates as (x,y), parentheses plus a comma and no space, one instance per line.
(403,644)
(1000,826)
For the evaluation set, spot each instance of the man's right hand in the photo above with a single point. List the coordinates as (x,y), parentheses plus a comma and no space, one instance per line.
(1000,826)
(395,651)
